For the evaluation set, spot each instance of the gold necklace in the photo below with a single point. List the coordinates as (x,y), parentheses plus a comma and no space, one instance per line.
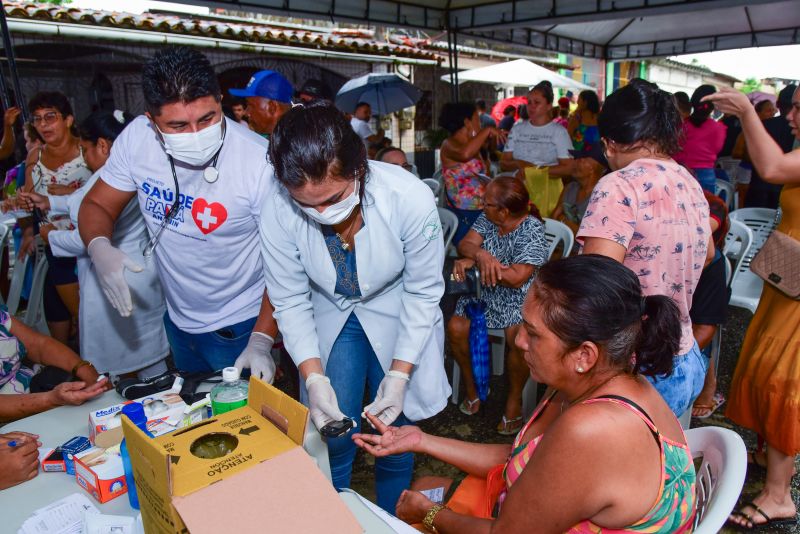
(346,242)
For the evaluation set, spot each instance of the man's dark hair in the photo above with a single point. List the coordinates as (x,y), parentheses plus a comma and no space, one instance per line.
(361,105)
(481,105)
(178,75)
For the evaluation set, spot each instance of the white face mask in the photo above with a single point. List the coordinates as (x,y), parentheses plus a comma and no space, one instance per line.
(194,148)
(335,213)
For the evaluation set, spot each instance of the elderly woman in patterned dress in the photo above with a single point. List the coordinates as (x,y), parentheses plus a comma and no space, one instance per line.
(507,244)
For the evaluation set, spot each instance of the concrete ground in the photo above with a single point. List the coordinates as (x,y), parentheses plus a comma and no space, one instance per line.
(481,427)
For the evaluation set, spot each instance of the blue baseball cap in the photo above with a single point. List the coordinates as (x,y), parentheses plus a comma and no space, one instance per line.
(267,84)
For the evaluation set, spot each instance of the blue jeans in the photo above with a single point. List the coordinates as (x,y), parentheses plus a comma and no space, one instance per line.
(210,351)
(707,179)
(682,387)
(351,366)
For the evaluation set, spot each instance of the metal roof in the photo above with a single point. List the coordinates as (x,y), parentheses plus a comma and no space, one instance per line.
(237,30)
(610,29)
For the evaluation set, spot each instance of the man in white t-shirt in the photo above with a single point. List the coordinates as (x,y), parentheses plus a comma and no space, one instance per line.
(201,180)
(538,141)
(360,124)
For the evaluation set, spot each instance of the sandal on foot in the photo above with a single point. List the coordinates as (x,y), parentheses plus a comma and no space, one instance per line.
(509,427)
(469,407)
(708,409)
(739,513)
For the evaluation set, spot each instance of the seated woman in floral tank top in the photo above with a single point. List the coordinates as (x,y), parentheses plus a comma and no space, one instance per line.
(603,452)
(463,170)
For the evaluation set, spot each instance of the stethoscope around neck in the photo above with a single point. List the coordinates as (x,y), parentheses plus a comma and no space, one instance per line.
(210,175)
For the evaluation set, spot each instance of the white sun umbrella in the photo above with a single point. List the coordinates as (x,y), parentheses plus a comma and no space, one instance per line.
(384,93)
(518,73)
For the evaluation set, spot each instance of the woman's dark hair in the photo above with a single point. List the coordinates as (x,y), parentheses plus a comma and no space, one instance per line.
(314,141)
(387,150)
(544,88)
(177,75)
(454,114)
(683,102)
(592,102)
(594,298)
(51,99)
(760,105)
(701,111)
(640,113)
(103,124)
(522,111)
(33,135)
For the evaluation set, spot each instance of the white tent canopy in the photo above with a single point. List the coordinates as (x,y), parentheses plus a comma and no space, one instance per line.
(517,73)
(607,29)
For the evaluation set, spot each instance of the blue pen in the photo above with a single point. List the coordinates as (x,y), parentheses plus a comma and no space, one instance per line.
(12,443)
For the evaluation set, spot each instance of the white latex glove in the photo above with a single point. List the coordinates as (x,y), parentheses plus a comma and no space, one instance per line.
(256,355)
(110,264)
(322,402)
(388,403)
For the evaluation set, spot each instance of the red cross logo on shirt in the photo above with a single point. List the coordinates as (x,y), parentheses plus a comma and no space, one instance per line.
(208,217)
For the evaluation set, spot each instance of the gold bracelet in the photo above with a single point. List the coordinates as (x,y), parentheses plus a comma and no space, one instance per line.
(78,366)
(428,521)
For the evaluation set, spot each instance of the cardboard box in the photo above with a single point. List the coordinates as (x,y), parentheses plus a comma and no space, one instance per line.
(164,410)
(266,483)
(70,449)
(100,472)
(54,462)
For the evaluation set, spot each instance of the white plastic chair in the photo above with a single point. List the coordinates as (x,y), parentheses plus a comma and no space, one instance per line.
(737,246)
(557,232)
(720,477)
(730,166)
(17,281)
(746,287)
(449,222)
(726,192)
(34,314)
(434,184)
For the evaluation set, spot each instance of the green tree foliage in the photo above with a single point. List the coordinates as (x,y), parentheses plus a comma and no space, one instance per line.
(750,85)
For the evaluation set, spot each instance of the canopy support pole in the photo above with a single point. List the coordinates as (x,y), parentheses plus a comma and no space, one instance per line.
(8,46)
(452,63)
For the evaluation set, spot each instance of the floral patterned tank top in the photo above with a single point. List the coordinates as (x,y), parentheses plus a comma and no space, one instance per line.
(74,174)
(464,185)
(674,508)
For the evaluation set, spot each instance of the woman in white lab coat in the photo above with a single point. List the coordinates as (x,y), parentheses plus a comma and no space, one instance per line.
(353,256)
(114,344)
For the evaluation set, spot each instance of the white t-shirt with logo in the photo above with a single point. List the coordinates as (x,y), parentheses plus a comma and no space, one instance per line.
(362,128)
(540,145)
(208,256)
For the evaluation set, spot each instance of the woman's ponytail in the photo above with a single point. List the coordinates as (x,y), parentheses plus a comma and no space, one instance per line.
(660,336)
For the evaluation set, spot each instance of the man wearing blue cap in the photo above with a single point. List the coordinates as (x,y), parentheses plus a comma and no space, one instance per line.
(269,96)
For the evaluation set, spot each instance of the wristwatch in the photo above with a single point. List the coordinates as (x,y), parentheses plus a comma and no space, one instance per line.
(428,521)
(78,366)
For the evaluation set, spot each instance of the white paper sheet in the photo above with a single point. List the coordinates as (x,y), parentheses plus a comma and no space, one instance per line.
(64,516)
(397,525)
